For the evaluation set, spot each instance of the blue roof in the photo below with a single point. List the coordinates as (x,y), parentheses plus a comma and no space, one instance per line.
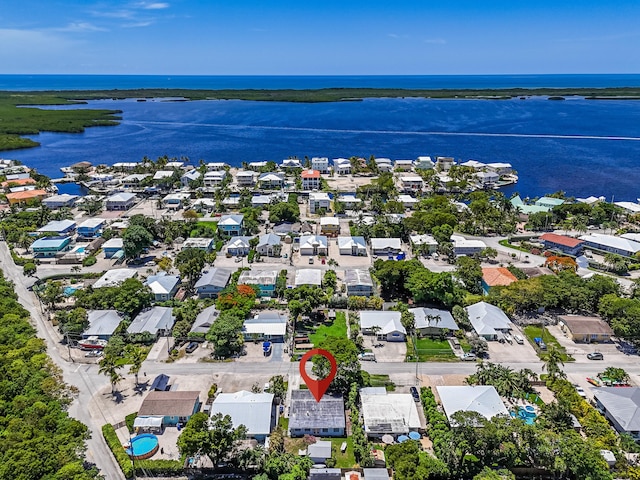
(50,242)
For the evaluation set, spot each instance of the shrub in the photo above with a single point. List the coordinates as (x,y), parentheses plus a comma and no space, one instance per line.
(90,260)
(109,434)
(129,419)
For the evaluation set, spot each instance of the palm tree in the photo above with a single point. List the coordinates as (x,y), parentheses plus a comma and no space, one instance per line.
(553,363)
(109,368)
(136,356)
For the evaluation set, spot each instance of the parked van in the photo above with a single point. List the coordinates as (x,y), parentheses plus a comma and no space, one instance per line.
(519,340)
(367,357)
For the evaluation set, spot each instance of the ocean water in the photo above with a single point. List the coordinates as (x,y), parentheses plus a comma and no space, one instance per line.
(583,147)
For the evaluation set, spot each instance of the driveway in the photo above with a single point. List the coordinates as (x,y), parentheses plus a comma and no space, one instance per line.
(388,352)
(512,353)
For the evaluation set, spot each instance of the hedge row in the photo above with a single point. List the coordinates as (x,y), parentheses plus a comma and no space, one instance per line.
(109,434)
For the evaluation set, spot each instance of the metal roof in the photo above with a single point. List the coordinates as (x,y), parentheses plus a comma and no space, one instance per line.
(217,277)
(102,322)
(483,399)
(389,413)
(205,319)
(443,319)
(623,404)
(112,278)
(253,410)
(357,277)
(58,226)
(153,320)
(308,276)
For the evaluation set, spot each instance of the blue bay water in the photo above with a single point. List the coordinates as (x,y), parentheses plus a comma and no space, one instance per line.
(582,147)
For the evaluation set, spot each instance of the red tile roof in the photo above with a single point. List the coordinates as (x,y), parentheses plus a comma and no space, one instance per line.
(498,277)
(311,174)
(18,182)
(561,240)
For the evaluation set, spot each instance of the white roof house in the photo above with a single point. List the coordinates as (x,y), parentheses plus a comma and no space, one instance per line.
(388,413)
(231,220)
(407,200)
(156,320)
(428,240)
(462,246)
(102,323)
(488,320)
(621,406)
(352,246)
(433,318)
(358,282)
(631,236)
(58,226)
(199,243)
(163,286)
(91,223)
(629,206)
(308,276)
(313,244)
(386,245)
(62,200)
(253,410)
(162,174)
(113,278)
(267,324)
(611,243)
(483,399)
(383,323)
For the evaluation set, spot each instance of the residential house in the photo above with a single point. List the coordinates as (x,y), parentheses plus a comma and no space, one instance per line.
(214,179)
(342,166)
(261,201)
(231,225)
(267,325)
(403,165)
(308,276)
(386,246)
(19,182)
(549,202)
(317,473)
(158,321)
(173,406)
(256,411)
(488,321)
(60,201)
(310,179)
(246,179)
(239,246)
(621,406)
(120,201)
(349,201)
(330,226)
(49,246)
(310,417)
(115,277)
(412,183)
(567,245)
(134,180)
(189,177)
(496,277)
(631,236)
(204,320)
(358,282)
(486,179)
(500,168)
(319,452)
(477,166)
(408,201)
(163,177)
(290,163)
(318,201)
(204,205)
(269,245)
(174,165)
(256,166)
(125,166)
(27,196)
(384,164)
(264,280)
(482,399)
(629,207)
(432,321)
(385,413)
(611,244)
(424,163)
(216,166)
(356,246)
(321,164)
(462,246)
(59,227)
(112,246)
(102,324)
(386,325)
(583,329)
(313,245)
(425,244)
(443,164)
(212,282)
(175,201)
(525,209)
(91,227)
(205,244)
(164,287)
(271,180)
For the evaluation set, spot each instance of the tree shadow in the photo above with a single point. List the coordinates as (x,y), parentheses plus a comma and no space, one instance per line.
(140,388)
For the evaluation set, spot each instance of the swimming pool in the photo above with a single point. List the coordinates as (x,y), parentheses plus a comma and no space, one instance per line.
(143,446)
(526,413)
(79,250)
(68,291)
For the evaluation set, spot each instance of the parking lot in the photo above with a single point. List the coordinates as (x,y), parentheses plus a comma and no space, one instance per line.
(579,351)
(512,352)
(388,352)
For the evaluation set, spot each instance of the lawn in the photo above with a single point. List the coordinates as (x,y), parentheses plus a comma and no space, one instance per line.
(539,331)
(429,349)
(336,329)
(343,460)
(382,381)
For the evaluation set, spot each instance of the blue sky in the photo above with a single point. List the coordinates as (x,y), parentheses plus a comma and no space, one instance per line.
(309,37)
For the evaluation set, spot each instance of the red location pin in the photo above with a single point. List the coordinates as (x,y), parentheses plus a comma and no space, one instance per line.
(318,387)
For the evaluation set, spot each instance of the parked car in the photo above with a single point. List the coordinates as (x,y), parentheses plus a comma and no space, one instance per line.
(581,391)
(415,394)
(310,260)
(468,357)
(595,356)
(191,347)
(367,357)
(519,340)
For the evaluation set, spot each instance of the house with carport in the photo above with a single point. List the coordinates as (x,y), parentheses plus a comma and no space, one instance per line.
(112,246)
(433,321)
(385,325)
(102,324)
(488,321)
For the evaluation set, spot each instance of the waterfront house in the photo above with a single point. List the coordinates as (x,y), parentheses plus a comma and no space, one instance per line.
(386,246)
(482,399)
(358,282)
(212,282)
(629,207)
(19,182)
(216,166)
(59,227)
(239,245)
(124,166)
(112,246)
(424,244)
(256,411)
(172,406)
(319,201)
(321,164)
(567,245)
(462,246)
(49,246)
(330,226)
(424,163)
(268,325)
(356,246)
(433,321)
(246,179)
(27,196)
(313,245)
(496,277)
(102,324)
(214,179)
(411,183)
(269,245)
(264,280)
(91,227)
(611,244)
(115,277)
(500,168)
(621,406)
(65,200)
(384,164)
(582,329)
(256,166)
(174,165)
(408,201)
(231,224)
(164,287)
(290,163)
(488,321)
(476,165)
(385,413)
(189,177)
(308,276)
(385,325)
(158,321)
(549,202)
(163,177)
(443,164)
(205,244)
(403,165)
(486,179)
(120,201)
(134,180)
(271,180)
(310,417)
(342,166)
(310,179)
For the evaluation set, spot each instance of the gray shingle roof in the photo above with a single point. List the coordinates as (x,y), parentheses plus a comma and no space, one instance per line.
(623,404)
(153,320)
(306,413)
(217,277)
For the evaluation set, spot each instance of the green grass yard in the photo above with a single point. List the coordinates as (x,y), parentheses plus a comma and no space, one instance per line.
(538,331)
(336,329)
(429,349)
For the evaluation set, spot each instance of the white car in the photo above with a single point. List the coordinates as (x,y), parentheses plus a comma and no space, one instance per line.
(468,357)
(581,392)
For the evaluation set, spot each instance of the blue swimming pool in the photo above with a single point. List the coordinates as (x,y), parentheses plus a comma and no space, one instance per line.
(68,291)
(80,250)
(143,446)
(526,413)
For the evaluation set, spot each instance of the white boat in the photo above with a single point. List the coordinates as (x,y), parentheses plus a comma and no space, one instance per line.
(92,343)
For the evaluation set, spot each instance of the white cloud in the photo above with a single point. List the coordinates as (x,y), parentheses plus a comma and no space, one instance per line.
(26,42)
(137,24)
(81,27)
(436,41)
(154,6)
